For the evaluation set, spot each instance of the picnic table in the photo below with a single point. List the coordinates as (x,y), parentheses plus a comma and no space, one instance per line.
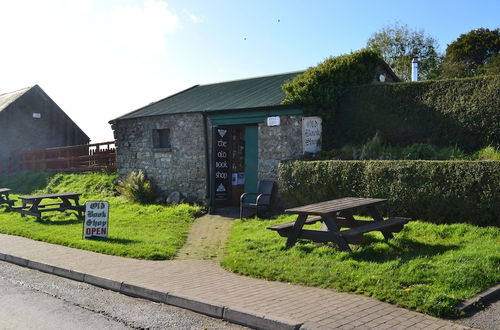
(4,197)
(336,214)
(32,205)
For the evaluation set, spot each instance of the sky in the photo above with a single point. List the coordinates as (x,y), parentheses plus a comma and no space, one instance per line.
(100,59)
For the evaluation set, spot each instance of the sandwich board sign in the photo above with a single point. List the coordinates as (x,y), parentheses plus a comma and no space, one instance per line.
(96,219)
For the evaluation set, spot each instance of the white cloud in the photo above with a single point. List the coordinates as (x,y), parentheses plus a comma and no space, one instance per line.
(194,18)
(143,29)
(96,61)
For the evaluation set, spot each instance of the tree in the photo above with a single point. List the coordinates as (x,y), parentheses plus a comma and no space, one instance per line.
(473,53)
(398,44)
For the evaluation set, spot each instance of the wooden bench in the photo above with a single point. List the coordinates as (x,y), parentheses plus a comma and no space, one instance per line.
(31,205)
(355,235)
(337,214)
(4,197)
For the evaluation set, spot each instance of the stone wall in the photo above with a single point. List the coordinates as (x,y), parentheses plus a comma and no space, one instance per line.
(182,167)
(179,168)
(279,143)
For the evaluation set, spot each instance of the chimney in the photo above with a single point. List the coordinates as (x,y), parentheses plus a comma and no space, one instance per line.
(414,69)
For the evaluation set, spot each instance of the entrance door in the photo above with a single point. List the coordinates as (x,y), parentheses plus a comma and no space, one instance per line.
(235,163)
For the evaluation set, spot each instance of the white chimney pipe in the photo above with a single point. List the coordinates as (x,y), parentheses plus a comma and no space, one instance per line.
(414,69)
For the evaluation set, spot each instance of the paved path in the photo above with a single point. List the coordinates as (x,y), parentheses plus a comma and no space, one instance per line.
(247,300)
(206,239)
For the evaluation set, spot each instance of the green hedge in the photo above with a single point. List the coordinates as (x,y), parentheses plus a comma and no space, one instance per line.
(459,112)
(435,191)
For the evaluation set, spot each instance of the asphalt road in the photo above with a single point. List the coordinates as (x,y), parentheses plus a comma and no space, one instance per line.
(30,299)
(486,319)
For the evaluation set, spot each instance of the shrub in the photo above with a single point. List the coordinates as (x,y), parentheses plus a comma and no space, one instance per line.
(487,153)
(436,191)
(457,112)
(136,187)
(319,88)
(420,151)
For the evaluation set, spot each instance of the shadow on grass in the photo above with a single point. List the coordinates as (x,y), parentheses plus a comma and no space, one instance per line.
(404,248)
(55,222)
(113,240)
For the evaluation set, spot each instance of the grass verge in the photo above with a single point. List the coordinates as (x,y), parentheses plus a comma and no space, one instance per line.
(136,231)
(426,267)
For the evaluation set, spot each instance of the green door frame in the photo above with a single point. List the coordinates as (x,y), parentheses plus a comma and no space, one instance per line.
(251,158)
(250,119)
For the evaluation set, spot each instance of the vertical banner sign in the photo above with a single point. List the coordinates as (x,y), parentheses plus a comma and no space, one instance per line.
(311,134)
(96,219)
(222,168)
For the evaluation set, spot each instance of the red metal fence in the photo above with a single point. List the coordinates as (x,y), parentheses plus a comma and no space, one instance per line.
(81,158)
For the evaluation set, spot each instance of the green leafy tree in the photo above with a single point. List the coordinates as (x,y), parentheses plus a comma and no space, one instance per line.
(398,44)
(473,53)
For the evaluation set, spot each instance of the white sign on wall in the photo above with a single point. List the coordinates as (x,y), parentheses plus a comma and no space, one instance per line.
(96,219)
(311,134)
(273,121)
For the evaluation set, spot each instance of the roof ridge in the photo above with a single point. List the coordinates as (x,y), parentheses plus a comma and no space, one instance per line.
(18,90)
(257,77)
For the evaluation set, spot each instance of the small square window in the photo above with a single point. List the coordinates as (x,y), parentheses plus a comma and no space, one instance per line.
(161,138)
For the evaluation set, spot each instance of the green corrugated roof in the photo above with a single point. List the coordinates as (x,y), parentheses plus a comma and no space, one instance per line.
(231,95)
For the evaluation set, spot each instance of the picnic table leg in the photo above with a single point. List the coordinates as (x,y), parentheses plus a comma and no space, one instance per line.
(34,208)
(79,209)
(330,223)
(375,213)
(297,227)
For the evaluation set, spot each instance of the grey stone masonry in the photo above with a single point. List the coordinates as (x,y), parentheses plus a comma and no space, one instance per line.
(178,168)
(279,143)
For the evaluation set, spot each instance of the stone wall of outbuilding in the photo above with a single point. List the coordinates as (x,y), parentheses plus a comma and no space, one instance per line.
(179,168)
(182,167)
(279,143)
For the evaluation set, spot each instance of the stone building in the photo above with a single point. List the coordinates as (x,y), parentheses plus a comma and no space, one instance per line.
(214,142)
(30,120)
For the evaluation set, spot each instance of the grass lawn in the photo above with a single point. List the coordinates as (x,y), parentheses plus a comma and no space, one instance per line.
(135,231)
(426,267)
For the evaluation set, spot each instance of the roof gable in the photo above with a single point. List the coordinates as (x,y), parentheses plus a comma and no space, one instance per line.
(7,99)
(231,95)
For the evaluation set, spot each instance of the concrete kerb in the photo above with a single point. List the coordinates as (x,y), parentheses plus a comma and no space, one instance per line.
(141,292)
(103,282)
(483,297)
(196,305)
(251,319)
(246,318)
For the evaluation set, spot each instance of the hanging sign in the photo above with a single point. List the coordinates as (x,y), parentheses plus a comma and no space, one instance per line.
(222,168)
(311,134)
(96,219)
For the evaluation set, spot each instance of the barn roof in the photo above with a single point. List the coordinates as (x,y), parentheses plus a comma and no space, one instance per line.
(242,94)
(6,99)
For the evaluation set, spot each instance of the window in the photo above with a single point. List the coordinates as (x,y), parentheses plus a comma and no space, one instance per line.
(161,138)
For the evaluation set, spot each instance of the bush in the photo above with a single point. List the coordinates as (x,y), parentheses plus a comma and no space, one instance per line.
(136,187)
(319,88)
(435,191)
(459,112)
(488,153)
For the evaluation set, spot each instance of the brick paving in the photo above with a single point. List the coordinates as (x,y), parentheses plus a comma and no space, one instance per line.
(206,239)
(205,280)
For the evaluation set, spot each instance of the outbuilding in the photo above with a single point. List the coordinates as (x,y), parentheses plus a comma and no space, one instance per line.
(213,142)
(31,120)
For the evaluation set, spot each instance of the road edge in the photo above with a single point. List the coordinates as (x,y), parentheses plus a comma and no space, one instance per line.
(231,314)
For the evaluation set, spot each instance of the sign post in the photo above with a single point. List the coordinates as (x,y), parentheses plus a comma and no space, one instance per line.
(96,219)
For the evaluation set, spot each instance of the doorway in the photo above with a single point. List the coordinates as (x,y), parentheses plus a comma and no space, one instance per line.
(235,165)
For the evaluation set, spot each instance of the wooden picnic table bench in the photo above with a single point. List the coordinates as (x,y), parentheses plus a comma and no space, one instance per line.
(32,205)
(4,197)
(336,214)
